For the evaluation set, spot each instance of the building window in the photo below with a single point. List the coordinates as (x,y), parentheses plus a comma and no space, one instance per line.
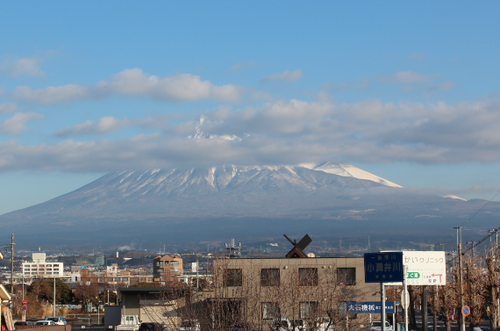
(308,276)
(270,310)
(174,264)
(233,277)
(174,270)
(270,277)
(347,275)
(308,309)
(159,270)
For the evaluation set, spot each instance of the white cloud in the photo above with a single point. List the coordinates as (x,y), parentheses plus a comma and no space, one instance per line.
(134,82)
(183,87)
(51,94)
(17,122)
(26,67)
(286,76)
(22,67)
(103,125)
(7,107)
(442,86)
(406,77)
(109,124)
(281,132)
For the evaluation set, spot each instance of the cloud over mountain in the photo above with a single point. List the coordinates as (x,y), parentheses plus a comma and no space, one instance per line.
(281,132)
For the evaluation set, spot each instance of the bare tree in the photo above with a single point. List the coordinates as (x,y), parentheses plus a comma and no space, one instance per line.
(475,290)
(87,288)
(256,292)
(492,288)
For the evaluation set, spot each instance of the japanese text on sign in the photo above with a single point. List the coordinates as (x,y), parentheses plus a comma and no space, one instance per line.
(383,267)
(369,307)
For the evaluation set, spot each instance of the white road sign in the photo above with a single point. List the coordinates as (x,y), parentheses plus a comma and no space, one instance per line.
(425,268)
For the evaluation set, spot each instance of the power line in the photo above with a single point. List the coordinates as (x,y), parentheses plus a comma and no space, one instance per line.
(477,212)
(475,244)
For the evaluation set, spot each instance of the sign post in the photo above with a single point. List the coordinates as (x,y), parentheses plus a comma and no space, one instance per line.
(383,267)
(406,297)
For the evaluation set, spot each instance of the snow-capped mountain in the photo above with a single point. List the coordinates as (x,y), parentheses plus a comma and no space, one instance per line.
(347,170)
(231,178)
(222,201)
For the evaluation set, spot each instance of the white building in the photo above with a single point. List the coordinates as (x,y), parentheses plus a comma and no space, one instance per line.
(38,267)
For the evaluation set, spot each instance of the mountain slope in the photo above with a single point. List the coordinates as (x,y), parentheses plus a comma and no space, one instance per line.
(208,203)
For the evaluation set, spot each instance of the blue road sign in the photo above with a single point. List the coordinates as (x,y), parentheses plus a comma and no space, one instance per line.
(24,307)
(369,307)
(466,310)
(384,267)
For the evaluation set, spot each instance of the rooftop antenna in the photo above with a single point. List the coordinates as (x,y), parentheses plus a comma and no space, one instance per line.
(232,249)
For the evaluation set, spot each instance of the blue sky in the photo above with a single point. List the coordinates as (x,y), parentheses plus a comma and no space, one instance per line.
(406,90)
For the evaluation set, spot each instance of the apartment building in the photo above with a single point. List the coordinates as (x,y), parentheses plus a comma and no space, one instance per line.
(259,291)
(39,267)
(167,267)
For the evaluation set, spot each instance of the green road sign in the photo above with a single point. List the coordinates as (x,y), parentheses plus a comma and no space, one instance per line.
(413,275)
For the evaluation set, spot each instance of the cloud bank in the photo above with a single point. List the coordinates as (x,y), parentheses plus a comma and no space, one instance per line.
(282,132)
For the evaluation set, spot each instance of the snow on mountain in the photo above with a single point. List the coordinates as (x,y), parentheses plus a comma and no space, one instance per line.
(196,181)
(450,196)
(202,135)
(344,170)
(347,170)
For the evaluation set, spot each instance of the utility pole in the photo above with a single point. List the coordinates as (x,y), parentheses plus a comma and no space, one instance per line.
(54,312)
(496,238)
(460,271)
(24,311)
(12,266)
(382,305)
(462,317)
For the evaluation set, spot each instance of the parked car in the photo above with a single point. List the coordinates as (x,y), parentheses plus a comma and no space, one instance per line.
(280,324)
(45,322)
(128,323)
(23,323)
(299,325)
(58,320)
(323,324)
(190,325)
(150,327)
(377,326)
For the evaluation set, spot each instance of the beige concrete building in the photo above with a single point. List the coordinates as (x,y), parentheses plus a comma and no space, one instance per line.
(167,268)
(256,291)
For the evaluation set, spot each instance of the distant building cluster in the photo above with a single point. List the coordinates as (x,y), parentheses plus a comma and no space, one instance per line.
(225,290)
